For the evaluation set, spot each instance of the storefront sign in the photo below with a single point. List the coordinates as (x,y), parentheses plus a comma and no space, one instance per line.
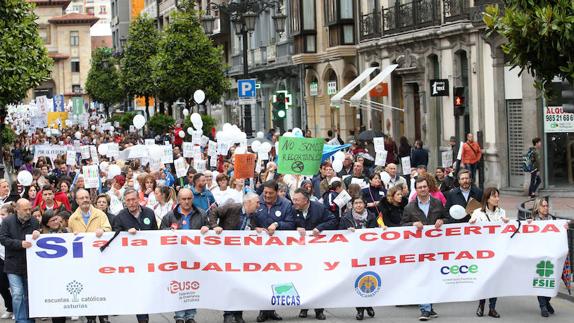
(332,87)
(183,269)
(314,89)
(439,87)
(556,120)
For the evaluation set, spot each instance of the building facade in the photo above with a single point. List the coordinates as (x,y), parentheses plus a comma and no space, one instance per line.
(67,39)
(97,8)
(122,13)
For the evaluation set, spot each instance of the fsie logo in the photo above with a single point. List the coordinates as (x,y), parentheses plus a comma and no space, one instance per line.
(545,270)
(368,284)
(182,286)
(285,295)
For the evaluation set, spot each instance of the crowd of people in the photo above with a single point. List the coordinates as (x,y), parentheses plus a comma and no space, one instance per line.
(139,199)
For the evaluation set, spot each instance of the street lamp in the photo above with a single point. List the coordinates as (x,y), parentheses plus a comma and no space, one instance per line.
(244,16)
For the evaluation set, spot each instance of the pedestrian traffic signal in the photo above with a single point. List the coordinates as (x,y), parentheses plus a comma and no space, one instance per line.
(459,103)
(279,107)
(567,97)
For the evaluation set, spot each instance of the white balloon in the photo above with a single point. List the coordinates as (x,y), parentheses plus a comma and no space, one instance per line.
(255,145)
(198,125)
(190,131)
(181,134)
(297,132)
(288,134)
(113,171)
(337,165)
(339,155)
(260,134)
(48,133)
(103,149)
(240,150)
(139,121)
(199,96)
(185,112)
(457,212)
(112,129)
(78,135)
(25,178)
(242,135)
(93,127)
(265,147)
(195,117)
(104,166)
(226,127)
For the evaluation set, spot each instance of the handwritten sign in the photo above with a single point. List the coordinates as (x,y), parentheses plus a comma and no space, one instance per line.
(187,149)
(300,155)
(91,176)
(85,151)
(244,166)
(180,167)
(167,156)
(406,165)
(71,158)
(381,158)
(446,158)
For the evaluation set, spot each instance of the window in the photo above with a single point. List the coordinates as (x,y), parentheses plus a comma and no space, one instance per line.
(303,15)
(103,10)
(76,88)
(339,17)
(74,38)
(90,11)
(44,31)
(75,65)
(309,14)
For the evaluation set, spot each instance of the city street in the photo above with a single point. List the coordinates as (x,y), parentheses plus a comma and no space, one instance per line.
(511,309)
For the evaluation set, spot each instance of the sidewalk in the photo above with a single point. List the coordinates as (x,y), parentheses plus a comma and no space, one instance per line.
(559,206)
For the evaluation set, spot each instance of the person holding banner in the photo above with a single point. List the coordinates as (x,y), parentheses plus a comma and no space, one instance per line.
(185,216)
(463,194)
(358,217)
(488,213)
(234,216)
(13,233)
(312,216)
(132,219)
(425,210)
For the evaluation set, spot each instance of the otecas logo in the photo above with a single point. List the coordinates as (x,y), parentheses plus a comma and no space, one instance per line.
(182,286)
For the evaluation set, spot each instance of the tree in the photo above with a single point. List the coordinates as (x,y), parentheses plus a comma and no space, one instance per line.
(160,123)
(188,61)
(103,83)
(136,64)
(540,37)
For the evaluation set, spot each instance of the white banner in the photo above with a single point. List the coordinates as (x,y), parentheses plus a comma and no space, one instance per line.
(50,151)
(164,271)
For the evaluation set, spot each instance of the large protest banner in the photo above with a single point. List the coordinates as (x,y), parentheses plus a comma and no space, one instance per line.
(300,155)
(164,271)
(50,151)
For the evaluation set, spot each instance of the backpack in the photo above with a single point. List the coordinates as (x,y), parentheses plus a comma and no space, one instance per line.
(527,165)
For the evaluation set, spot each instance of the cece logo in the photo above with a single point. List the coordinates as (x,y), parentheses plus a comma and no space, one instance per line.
(459,270)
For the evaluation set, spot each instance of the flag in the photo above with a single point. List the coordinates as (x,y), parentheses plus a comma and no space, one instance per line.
(567,274)
(380,221)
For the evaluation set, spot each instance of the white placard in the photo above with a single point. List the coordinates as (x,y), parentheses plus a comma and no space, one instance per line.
(342,199)
(167,156)
(187,149)
(213,161)
(113,150)
(71,158)
(180,167)
(223,147)
(200,165)
(94,155)
(91,176)
(286,266)
(406,165)
(459,155)
(379,144)
(361,182)
(196,139)
(262,155)
(381,158)
(154,163)
(446,158)
(138,151)
(204,141)
(212,148)
(85,151)
(149,142)
(50,151)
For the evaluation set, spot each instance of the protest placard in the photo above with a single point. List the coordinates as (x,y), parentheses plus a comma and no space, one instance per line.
(212,148)
(300,155)
(342,199)
(149,142)
(379,144)
(187,149)
(71,158)
(263,155)
(91,176)
(167,156)
(94,155)
(381,158)
(244,166)
(213,161)
(200,165)
(50,151)
(223,147)
(180,167)
(113,150)
(446,158)
(406,165)
(85,151)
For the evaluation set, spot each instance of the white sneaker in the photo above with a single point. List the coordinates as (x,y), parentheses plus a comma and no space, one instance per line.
(6,315)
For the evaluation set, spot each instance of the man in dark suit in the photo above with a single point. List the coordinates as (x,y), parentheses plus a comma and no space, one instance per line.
(425,210)
(312,216)
(462,194)
(234,216)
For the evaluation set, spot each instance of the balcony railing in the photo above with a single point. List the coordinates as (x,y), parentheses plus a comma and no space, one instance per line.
(411,16)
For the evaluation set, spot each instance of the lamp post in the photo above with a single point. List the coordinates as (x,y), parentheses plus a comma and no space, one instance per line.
(244,16)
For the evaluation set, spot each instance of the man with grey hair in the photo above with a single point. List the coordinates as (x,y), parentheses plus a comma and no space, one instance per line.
(13,233)
(234,216)
(132,219)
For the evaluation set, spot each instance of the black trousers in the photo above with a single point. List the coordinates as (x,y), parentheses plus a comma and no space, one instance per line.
(5,288)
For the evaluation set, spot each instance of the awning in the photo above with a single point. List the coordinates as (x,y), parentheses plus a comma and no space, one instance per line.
(337,100)
(356,99)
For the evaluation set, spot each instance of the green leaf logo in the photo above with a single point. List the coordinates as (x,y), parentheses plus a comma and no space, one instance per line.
(545,268)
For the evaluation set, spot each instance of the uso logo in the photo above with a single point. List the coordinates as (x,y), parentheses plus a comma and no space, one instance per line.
(368,284)
(182,286)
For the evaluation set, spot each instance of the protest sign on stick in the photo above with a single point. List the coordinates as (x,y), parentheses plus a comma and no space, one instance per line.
(300,155)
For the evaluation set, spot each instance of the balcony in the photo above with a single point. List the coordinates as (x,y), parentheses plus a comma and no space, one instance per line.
(413,15)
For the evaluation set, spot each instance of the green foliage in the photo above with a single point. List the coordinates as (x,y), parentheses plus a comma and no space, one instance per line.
(136,63)
(124,119)
(24,61)
(7,136)
(160,123)
(208,123)
(540,37)
(187,60)
(103,83)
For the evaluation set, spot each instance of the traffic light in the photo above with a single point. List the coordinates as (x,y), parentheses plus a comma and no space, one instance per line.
(279,108)
(459,103)
(567,97)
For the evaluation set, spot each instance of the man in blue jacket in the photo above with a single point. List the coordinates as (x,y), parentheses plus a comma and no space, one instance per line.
(274,213)
(202,197)
(312,216)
